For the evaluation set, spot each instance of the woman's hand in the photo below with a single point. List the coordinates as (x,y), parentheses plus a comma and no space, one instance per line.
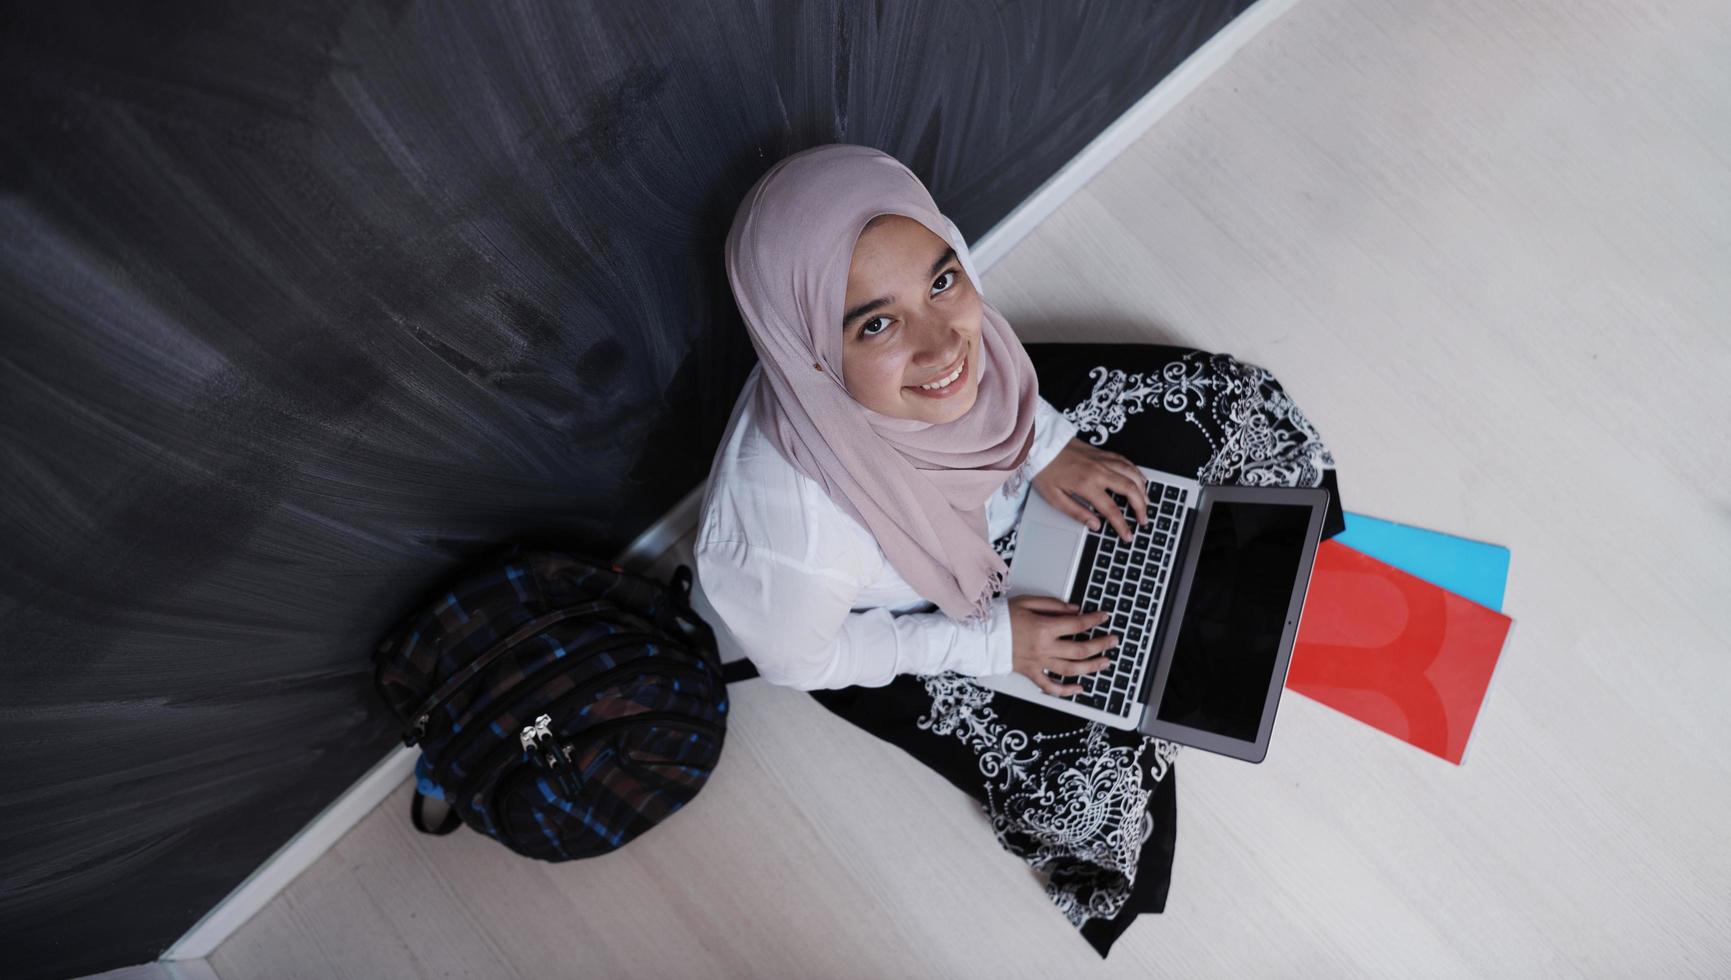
(1086,472)
(1038,625)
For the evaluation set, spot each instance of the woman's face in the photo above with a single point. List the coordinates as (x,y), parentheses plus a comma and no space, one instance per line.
(911,318)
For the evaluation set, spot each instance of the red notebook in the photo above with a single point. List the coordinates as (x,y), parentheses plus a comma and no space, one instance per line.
(1395,651)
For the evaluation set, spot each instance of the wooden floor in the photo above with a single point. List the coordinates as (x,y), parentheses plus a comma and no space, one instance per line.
(1487,247)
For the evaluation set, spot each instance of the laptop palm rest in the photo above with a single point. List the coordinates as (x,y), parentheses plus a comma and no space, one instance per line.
(1045,561)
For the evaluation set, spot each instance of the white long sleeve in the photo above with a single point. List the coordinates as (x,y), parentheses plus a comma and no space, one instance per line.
(807,592)
(798,624)
(1052,432)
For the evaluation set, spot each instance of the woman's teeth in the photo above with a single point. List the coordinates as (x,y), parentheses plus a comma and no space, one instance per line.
(942,382)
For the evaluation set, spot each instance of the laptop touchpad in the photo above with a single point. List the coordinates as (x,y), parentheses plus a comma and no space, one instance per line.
(1045,561)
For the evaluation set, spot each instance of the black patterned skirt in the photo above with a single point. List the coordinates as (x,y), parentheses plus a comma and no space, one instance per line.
(1090,808)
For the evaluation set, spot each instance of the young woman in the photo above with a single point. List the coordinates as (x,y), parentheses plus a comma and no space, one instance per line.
(861,512)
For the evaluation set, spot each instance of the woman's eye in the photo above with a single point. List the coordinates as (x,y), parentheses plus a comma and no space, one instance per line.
(950,274)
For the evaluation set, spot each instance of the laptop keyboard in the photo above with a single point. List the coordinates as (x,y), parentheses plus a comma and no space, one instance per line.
(1128,579)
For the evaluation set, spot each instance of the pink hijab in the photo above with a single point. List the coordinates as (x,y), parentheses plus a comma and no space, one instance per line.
(920,488)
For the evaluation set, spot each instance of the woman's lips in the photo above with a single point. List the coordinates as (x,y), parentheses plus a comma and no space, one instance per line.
(949,389)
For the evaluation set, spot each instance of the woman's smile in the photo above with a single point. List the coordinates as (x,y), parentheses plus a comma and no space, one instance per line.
(961,372)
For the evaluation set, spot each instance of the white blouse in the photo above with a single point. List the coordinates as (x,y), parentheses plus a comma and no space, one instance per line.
(805,590)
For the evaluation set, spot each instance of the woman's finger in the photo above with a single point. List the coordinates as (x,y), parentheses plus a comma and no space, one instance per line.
(1079,656)
(1138,491)
(1092,665)
(1084,515)
(1075,508)
(1054,687)
(1085,662)
(1104,503)
(1124,479)
(1082,622)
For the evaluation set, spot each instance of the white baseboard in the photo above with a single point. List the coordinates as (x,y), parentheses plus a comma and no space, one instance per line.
(359,800)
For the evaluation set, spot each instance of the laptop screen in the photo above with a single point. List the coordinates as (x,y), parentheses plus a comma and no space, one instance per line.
(1224,657)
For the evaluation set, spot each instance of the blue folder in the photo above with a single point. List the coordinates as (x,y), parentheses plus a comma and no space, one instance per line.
(1473,569)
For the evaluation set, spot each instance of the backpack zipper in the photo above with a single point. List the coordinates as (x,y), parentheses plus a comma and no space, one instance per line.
(522,634)
(582,740)
(588,687)
(605,644)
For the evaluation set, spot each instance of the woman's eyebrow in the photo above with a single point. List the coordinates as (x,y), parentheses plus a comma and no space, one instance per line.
(872,304)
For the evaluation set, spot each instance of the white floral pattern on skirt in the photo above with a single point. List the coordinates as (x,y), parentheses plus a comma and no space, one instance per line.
(1075,807)
(1070,803)
(1258,436)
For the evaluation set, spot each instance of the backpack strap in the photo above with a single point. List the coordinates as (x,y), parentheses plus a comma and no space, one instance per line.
(732,671)
(451,821)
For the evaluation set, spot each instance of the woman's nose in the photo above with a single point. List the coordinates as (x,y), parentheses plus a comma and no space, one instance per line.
(941,349)
(939,357)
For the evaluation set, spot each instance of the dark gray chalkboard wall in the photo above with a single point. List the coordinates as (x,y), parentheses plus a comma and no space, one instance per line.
(305,302)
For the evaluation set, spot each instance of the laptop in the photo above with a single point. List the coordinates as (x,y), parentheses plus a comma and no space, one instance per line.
(1205,598)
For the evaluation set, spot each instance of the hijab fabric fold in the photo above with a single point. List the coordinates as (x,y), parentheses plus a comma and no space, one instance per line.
(920,488)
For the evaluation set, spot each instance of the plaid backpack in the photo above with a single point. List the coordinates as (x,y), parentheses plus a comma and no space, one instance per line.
(563,706)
